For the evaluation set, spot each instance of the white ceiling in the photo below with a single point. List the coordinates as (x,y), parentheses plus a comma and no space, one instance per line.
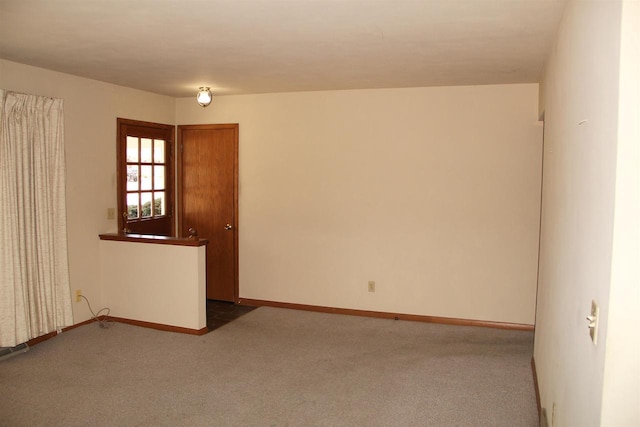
(256,46)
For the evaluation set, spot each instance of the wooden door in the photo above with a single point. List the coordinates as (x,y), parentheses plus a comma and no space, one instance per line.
(145,177)
(208,202)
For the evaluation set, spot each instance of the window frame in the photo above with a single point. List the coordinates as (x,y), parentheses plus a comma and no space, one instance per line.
(161,225)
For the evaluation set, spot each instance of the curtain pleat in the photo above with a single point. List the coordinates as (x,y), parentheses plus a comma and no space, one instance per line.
(35,296)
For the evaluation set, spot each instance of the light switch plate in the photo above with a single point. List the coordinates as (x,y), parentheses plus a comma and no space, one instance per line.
(593,322)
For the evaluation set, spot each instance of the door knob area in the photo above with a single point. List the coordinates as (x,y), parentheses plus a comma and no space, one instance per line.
(228,227)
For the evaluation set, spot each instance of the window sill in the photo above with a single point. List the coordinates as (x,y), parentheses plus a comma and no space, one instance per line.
(158,240)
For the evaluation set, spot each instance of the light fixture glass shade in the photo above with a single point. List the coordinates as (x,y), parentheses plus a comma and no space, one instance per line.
(204,96)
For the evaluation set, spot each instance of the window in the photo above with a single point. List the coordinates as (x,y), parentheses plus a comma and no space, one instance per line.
(145,171)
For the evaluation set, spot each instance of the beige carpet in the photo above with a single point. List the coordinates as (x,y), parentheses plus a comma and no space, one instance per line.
(275,367)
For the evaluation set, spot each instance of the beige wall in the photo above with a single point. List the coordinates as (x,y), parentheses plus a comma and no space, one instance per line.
(162,284)
(431,192)
(590,205)
(621,389)
(90,109)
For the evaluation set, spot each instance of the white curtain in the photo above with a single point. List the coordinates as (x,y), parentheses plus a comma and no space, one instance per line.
(35,296)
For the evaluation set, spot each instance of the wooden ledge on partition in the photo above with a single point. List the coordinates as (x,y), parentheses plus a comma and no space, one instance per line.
(385,315)
(151,238)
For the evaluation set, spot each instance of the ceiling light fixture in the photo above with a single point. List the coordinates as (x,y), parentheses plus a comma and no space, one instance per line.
(204,96)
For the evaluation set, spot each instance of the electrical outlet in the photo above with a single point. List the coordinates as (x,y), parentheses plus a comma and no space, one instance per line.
(111,213)
(78,295)
(372,286)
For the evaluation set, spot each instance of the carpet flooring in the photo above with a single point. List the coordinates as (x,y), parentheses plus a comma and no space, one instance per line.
(275,367)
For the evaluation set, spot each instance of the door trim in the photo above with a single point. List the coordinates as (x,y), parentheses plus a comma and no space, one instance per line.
(151,130)
(180,207)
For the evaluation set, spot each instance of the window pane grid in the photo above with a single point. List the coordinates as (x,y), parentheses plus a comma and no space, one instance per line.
(145,160)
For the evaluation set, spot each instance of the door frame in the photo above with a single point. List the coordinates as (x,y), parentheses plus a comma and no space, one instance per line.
(151,130)
(180,190)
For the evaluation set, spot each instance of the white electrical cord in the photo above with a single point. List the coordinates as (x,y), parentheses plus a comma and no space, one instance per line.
(103,323)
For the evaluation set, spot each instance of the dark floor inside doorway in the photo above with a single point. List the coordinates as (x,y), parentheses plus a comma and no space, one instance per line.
(219,313)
